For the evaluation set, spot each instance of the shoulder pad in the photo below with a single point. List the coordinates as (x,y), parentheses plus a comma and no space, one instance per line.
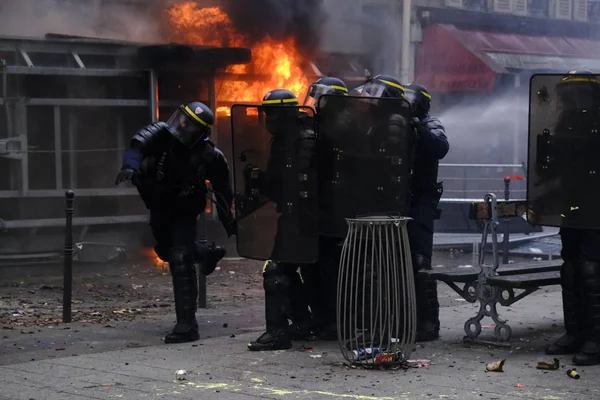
(219,153)
(433,123)
(149,133)
(211,143)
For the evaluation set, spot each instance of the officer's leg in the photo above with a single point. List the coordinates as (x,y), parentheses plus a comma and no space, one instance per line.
(277,287)
(572,340)
(185,284)
(428,307)
(302,323)
(324,311)
(161,230)
(589,354)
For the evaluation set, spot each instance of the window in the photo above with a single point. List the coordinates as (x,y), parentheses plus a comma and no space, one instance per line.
(539,8)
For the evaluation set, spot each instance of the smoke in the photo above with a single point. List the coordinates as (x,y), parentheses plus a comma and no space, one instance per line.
(490,131)
(80,18)
(279,19)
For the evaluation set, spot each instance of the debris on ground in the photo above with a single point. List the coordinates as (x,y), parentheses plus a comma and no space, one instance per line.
(180,375)
(553,365)
(496,366)
(572,373)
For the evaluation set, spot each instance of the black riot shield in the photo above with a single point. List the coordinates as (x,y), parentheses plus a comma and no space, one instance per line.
(275,174)
(366,153)
(563,185)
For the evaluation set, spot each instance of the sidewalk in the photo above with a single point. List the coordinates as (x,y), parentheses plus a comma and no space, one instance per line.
(222,368)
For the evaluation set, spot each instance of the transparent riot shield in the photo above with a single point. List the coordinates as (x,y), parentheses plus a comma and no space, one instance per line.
(366,151)
(275,179)
(563,185)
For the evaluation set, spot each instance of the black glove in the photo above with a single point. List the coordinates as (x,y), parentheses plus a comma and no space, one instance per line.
(231,227)
(126,174)
(416,122)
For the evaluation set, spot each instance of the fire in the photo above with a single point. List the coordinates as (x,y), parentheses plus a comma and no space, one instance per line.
(155,260)
(224,111)
(276,64)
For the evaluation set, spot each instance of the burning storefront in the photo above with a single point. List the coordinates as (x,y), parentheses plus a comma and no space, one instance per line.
(69,104)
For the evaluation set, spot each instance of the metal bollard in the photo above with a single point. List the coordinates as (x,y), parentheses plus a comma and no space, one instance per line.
(506,237)
(68,266)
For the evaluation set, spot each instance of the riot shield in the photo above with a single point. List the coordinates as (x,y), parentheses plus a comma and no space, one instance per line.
(275,179)
(366,152)
(563,185)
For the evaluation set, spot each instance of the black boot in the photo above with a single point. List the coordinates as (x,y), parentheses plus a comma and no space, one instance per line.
(277,309)
(208,256)
(185,288)
(589,354)
(271,341)
(572,340)
(428,307)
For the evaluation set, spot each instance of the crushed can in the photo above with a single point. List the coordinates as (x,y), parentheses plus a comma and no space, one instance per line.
(363,354)
(388,358)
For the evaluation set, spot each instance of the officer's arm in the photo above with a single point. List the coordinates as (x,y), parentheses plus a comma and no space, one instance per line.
(218,173)
(432,136)
(141,144)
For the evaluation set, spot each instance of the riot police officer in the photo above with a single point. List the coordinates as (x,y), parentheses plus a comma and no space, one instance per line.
(579,115)
(432,146)
(321,279)
(169,163)
(285,294)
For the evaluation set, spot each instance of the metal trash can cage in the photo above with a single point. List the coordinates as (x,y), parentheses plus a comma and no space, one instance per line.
(376,306)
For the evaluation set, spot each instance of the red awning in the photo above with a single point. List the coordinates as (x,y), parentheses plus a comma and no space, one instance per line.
(453,60)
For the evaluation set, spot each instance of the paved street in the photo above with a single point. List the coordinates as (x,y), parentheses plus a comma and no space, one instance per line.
(220,367)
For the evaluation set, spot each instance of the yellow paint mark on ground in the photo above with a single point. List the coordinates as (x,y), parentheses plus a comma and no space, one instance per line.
(283,392)
(208,385)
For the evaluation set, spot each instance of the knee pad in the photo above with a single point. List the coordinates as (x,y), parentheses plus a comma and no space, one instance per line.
(275,280)
(180,262)
(420,262)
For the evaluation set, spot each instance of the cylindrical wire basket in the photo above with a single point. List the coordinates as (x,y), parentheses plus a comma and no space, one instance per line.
(376,306)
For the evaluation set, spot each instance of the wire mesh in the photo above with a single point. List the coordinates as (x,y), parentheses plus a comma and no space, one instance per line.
(376,307)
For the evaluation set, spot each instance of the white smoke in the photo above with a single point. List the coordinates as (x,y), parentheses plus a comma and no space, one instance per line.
(490,132)
(35,18)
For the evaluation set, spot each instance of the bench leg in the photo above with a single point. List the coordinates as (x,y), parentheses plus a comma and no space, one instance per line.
(489,298)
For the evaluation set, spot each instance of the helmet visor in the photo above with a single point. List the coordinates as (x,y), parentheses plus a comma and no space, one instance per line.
(410,95)
(185,129)
(314,94)
(373,89)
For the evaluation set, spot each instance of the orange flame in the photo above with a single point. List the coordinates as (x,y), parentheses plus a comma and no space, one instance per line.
(155,260)
(276,62)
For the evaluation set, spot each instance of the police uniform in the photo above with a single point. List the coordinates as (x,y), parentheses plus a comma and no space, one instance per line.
(432,146)
(579,97)
(285,294)
(169,163)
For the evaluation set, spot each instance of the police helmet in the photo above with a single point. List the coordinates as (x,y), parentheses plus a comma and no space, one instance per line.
(325,85)
(579,90)
(279,102)
(191,123)
(383,86)
(419,98)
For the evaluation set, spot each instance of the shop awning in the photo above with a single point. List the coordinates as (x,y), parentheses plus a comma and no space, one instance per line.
(454,60)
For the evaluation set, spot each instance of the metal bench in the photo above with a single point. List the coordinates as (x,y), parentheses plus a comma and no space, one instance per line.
(491,285)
